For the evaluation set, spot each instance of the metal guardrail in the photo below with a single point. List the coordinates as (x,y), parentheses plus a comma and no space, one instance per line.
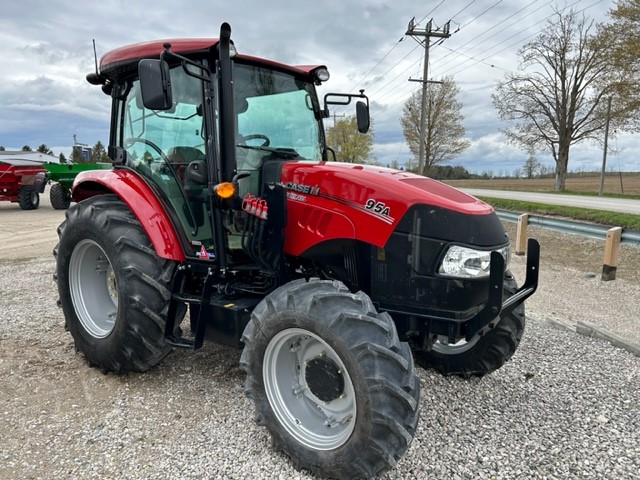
(571,226)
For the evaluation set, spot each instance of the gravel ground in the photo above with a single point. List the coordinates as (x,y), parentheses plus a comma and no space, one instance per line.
(565,406)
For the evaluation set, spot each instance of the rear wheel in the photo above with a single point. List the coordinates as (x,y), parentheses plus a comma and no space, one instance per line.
(59,196)
(480,355)
(28,197)
(114,290)
(330,379)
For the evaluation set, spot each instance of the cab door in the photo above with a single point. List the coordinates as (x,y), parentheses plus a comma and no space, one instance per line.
(160,146)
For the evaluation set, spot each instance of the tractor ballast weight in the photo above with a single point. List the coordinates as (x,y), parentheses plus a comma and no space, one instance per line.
(222,202)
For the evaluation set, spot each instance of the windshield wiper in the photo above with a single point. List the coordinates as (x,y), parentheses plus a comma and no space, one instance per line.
(285,153)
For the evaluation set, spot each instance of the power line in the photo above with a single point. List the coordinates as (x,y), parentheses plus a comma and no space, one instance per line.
(430,12)
(478,16)
(460,64)
(437,44)
(474,58)
(379,62)
(498,24)
(459,12)
(390,89)
(392,67)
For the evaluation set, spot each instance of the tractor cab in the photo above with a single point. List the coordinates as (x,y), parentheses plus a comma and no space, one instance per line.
(201,146)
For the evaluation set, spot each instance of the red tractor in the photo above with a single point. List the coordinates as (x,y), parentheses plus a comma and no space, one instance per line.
(222,201)
(22,181)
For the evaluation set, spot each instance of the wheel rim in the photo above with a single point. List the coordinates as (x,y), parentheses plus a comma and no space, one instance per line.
(442,346)
(93,288)
(34,197)
(295,370)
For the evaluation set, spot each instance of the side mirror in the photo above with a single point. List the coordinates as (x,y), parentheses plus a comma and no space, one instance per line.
(197,172)
(362,117)
(362,107)
(155,84)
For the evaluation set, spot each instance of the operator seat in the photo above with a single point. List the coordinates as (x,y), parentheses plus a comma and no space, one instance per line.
(181,156)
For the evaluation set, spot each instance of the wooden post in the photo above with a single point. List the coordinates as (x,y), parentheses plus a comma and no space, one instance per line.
(611,249)
(521,234)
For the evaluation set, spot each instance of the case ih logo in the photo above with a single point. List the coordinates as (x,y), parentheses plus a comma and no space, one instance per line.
(302,188)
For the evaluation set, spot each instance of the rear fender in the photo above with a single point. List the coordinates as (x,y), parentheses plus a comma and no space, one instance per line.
(142,201)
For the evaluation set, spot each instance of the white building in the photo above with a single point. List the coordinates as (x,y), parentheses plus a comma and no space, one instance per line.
(29,156)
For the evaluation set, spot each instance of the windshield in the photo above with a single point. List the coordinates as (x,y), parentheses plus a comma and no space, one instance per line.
(275,111)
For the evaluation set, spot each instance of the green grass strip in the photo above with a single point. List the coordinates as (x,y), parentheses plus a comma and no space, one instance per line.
(593,194)
(602,217)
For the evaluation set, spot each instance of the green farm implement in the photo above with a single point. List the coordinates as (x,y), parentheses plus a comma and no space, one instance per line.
(61,176)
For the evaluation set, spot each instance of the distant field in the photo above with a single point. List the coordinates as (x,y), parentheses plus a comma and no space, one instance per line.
(578,184)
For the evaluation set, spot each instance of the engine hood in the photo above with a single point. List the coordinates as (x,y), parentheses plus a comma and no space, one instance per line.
(340,200)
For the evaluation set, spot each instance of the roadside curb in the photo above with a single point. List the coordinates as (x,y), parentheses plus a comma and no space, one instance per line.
(590,330)
(593,331)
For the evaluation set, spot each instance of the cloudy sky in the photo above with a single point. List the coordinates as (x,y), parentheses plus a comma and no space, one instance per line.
(47,52)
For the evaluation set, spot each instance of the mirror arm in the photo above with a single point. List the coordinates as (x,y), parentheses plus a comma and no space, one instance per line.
(346,100)
(166,53)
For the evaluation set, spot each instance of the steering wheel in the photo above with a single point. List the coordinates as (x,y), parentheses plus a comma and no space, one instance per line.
(131,140)
(257,136)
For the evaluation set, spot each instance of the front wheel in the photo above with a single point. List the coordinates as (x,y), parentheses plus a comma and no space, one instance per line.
(114,289)
(480,355)
(330,380)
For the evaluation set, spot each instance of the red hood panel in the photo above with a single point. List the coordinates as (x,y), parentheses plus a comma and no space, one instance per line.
(364,202)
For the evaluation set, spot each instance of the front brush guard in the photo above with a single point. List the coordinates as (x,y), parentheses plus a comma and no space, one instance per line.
(490,314)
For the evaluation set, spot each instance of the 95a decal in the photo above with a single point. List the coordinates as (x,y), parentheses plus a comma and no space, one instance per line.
(377,207)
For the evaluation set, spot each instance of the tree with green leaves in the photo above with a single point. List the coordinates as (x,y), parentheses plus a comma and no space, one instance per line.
(98,153)
(62,158)
(444,135)
(42,148)
(2,149)
(26,148)
(621,38)
(349,144)
(76,155)
(557,98)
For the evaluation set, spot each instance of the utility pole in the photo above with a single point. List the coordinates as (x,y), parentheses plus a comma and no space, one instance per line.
(606,140)
(334,115)
(427,33)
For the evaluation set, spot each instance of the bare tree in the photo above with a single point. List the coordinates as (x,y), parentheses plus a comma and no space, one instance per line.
(531,166)
(444,136)
(556,99)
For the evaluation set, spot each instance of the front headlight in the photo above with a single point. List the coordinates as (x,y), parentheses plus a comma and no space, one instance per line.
(463,262)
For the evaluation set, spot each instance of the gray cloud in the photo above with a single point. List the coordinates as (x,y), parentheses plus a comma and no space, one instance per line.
(47,53)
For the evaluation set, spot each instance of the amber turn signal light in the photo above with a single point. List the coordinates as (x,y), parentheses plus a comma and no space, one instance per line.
(225,190)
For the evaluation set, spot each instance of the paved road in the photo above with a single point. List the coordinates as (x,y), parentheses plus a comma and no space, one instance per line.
(598,203)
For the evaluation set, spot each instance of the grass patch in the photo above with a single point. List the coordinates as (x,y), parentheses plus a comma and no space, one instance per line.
(610,219)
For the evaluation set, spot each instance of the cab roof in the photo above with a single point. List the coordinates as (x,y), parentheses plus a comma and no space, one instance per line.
(125,58)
